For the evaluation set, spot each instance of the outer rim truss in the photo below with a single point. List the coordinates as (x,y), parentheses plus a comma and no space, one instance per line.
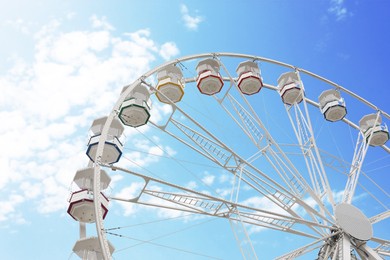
(98,163)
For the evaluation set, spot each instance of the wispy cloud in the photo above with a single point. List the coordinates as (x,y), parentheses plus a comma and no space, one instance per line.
(191,22)
(48,104)
(168,50)
(338,9)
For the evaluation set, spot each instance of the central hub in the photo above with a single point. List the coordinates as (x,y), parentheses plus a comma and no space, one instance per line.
(353,222)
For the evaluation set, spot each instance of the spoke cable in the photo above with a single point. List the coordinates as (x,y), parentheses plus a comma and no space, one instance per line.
(141,242)
(168,157)
(149,222)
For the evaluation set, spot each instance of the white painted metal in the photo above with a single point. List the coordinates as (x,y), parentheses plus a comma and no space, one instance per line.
(112,149)
(353,222)
(361,148)
(135,110)
(249,79)
(229,160)
(88,248)
(209,81)
(332,105)
(380,217)
(307,248)
(170,87)
(301,123)
(84,179)
(383,248)
(374,133)
(185,199)
(81,206)
(290,88)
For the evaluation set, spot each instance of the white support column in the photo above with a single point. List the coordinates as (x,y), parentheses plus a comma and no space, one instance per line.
(344,248)
(242,238)
(357,163)
(370,253)
(83,232)
(301,123)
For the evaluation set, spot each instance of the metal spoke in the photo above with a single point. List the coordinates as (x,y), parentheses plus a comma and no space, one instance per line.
(252,125)
(307,248)
(370,254)
(195,202)
(357,163)
(380,217)
(384,246)
(301,200)
(216,151)
(301,124)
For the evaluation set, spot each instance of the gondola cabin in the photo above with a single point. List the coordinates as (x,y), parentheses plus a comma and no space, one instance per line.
(135,110)
(374,132)
(81,206)
(112,150)
(209,81)
(332,105)
(289,88)
(89,248)
(170,87)
(249,79)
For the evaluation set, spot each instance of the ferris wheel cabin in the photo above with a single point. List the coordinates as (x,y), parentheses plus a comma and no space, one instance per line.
(89,248)
(112,147)
(249,79)
(135,110)
(209,81)
(81,206)
(332,105)
(290,88)
(374,132)
(170,87)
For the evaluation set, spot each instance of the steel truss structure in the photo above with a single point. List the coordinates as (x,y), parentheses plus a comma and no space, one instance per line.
(302,191)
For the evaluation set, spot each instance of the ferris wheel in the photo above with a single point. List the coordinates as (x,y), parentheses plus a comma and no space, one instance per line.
(281,147)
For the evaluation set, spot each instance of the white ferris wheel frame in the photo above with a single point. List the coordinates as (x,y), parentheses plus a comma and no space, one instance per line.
(256,216)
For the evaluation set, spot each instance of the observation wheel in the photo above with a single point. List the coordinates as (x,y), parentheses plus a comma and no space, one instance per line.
(263,146)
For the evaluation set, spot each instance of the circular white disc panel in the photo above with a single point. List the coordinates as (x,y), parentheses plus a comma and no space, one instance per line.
(353,221)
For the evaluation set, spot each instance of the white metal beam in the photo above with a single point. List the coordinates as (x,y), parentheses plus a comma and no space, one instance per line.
(306,249)
(380,217)
(357,162)
(192,201)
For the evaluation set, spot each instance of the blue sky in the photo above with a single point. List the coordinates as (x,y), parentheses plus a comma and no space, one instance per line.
(64,63)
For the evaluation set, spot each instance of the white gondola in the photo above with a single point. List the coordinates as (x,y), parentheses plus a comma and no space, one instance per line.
(89,248)
(112,147)
(135,110)
(170,87)
(209,81)
(290,88)
(374,132)
(249,79)
(332,105)
(81,206)
(84,179)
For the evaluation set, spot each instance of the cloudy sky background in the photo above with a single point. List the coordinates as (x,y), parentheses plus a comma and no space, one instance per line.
(64,63)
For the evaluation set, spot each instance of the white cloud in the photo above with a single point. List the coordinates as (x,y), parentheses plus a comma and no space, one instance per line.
(129,192)
(191,185)
(168,50)
(19,25)
(208,179)
(191,22)
(48,103)
(101,23)
(8,206)
(338,9)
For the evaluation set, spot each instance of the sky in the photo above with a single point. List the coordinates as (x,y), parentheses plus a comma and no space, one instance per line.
(64,63)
